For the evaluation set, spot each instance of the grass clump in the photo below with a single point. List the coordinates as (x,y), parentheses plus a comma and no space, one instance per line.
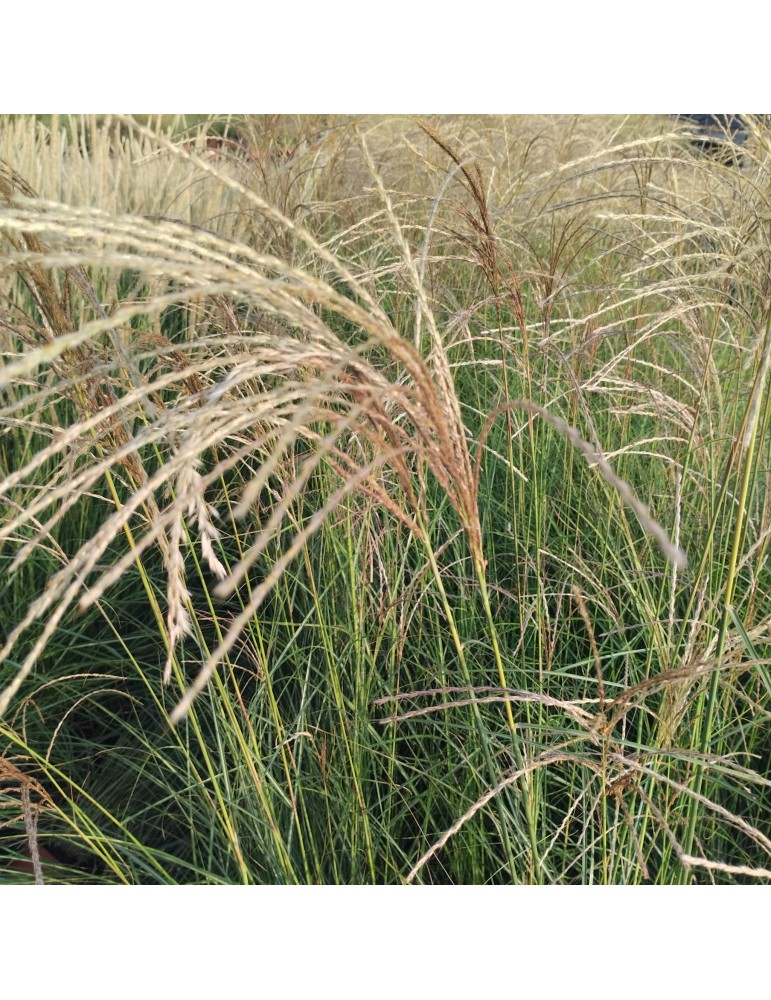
(383,500)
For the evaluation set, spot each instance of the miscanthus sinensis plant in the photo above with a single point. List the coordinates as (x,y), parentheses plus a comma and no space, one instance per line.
(394,437)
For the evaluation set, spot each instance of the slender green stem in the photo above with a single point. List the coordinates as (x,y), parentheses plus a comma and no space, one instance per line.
(748,443)
(527,802)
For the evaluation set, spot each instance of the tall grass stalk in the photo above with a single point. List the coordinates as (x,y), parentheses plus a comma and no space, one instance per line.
(746,448)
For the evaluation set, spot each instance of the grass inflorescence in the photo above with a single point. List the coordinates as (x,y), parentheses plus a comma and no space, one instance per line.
(383,500)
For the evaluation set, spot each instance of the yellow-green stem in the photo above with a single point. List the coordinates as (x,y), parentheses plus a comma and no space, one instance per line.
(749,442)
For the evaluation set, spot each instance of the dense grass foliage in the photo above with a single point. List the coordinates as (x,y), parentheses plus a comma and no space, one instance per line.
(383,501)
